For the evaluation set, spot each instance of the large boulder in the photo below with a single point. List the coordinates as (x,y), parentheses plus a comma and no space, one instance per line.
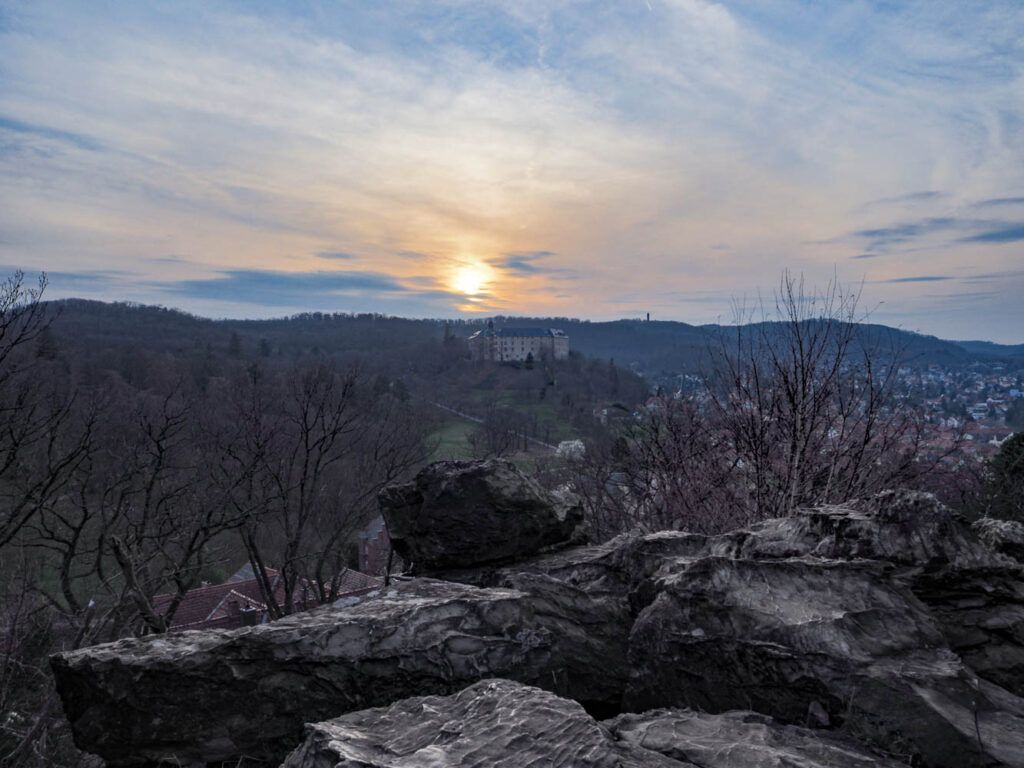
(456,514)
(218,695)
(890,620)
(493,724)
(501,724)
(742,740)
(830,643)
(972,591)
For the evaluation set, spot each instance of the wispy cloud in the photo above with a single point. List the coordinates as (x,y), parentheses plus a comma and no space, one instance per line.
(273,288)
(1012,234)
(881,238)
(930,195)
(629,139)
(1000,201)
(919,279)
(530,263)
(43,132)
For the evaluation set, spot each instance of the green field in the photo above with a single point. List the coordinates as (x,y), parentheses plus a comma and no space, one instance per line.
(544,412)
(451,440)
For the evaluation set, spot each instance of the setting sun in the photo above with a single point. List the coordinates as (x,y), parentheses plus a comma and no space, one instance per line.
(470,279)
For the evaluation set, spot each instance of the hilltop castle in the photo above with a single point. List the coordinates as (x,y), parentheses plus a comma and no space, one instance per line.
(510,344)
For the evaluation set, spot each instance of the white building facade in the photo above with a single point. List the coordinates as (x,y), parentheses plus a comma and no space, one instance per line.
(518,344)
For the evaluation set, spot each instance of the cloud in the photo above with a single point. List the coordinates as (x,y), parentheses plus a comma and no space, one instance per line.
(631,140)
(999,201)
(880,238)
(40,131)
(919,279)
(1002,276)
(172,259)
(929,195)
(970,295)
(337,255)
(284,289)
(63,282)
(528,263)
(1011,234)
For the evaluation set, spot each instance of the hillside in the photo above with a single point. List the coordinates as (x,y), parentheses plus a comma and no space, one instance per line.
(649,347)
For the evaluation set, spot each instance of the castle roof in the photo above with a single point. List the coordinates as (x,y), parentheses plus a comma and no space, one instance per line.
(518,332)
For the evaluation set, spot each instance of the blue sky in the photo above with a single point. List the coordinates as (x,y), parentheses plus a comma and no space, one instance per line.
(589,159)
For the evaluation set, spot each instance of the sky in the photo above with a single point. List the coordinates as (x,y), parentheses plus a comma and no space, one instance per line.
(584,159)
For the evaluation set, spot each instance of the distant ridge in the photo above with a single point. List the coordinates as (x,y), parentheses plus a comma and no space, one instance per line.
(653,347)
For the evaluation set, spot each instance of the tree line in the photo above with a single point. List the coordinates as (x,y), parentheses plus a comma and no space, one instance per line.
(113,492)
(798,406)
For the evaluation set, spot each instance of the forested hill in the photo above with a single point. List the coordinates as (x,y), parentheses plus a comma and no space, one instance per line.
(653,347)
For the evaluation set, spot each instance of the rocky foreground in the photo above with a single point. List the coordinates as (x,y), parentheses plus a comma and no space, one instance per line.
(881,633)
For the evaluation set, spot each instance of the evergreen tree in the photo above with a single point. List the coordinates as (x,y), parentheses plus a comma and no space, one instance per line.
(1006,480)
(1015,415)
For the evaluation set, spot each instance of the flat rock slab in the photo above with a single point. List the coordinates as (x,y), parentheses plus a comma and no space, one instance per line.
(196,697)
(456,514)
(502,724)
(492,724)
(742,740)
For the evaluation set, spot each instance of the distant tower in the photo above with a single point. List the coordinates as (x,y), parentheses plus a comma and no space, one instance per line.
(648,317)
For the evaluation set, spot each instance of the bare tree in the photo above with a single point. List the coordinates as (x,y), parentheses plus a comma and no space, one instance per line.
(321,445)
(800,408)
(807,400)
(501,432)
(40,445)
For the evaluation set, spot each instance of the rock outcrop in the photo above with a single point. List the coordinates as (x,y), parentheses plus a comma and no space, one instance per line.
(1004,536)
(887,625)
(971,591)
(460,513)
(493,724)
(825,643)
(501,724)
(217,695)
(742,740)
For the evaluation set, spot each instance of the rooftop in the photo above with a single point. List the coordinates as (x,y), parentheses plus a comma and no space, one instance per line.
(519,332)
(219,604)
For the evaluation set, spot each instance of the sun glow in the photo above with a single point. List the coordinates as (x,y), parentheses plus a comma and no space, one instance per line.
(469,279)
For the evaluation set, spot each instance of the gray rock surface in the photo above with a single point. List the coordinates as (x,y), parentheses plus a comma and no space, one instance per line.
(460,513)
(218,695)
(828,643)
(501,724)
(1004,536)
(889,621)
(742,740)
(492,724)
(973,593)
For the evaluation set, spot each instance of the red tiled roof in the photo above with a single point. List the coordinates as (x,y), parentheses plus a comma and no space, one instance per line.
(219,604)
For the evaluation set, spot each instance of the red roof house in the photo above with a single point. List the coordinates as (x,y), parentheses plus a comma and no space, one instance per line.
(238,602)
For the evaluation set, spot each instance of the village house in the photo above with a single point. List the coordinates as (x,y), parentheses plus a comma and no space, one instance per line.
(238,602)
